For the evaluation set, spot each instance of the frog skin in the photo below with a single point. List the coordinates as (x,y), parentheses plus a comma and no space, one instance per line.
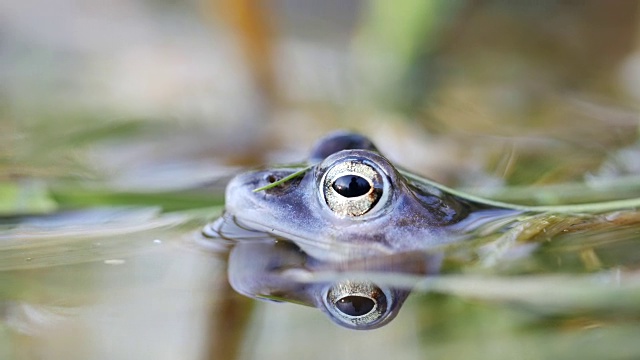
(351,203)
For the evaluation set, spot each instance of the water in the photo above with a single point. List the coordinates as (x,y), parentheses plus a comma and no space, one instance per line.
(123,283)
(87,284)
(555,285)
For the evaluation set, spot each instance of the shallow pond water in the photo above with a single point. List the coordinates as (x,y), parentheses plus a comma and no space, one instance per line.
(123,283)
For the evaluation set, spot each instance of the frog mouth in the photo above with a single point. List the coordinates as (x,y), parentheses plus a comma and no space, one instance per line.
(319,247)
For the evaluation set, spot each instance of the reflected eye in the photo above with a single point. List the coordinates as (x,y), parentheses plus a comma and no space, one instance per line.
(356,304)
(352,188)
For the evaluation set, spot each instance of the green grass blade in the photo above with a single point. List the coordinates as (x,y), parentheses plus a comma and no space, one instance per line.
(574,208)
(284,179)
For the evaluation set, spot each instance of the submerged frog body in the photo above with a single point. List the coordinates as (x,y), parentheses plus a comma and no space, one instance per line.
(351,202)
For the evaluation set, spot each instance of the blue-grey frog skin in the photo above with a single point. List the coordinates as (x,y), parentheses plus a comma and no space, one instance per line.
(351,203)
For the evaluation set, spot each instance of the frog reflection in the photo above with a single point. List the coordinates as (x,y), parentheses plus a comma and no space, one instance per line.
(278,270)
(351,210)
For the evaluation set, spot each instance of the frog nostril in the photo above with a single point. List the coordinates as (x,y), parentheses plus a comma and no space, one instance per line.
(272,178)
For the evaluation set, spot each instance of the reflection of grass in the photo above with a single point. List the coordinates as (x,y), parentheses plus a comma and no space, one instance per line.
(457,329)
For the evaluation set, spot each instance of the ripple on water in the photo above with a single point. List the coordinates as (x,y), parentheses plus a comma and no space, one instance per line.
(83,236)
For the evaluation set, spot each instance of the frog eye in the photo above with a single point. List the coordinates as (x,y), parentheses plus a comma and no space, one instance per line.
(356,304)
(352,188)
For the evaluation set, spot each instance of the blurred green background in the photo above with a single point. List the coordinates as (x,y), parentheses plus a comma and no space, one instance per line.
(156,96)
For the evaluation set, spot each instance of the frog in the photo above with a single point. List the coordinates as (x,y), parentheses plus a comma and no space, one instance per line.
(350,199)
(347,208)
(351,202)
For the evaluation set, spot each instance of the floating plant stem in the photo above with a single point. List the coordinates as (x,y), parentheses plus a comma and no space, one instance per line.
(594,207)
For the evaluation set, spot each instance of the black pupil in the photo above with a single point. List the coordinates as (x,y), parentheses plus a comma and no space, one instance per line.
(351,186)
(355,305)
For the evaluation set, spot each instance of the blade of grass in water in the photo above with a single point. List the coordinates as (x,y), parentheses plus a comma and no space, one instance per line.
(576,208)
(284,179)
